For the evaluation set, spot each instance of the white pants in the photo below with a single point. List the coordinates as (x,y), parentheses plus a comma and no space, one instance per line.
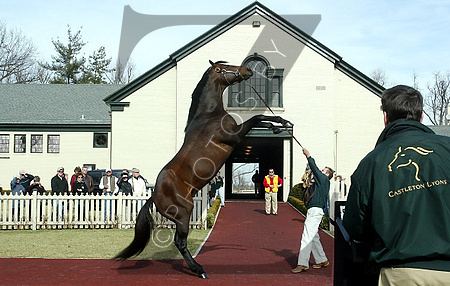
(310,238)
(271,202)
(221,194)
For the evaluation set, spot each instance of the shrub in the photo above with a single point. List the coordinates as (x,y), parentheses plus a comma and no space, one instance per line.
(212,213)
(297,191)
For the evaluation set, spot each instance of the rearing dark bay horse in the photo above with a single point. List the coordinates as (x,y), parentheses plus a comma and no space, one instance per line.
(211,136)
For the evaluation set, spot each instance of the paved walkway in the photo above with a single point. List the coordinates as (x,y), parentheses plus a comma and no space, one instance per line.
(246,247)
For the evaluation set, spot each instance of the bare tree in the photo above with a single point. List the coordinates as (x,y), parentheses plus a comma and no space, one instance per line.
(16,57)
(379,76)
(438,99)
(122,74)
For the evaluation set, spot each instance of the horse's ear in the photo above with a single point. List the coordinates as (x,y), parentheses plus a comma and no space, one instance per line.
(211,62)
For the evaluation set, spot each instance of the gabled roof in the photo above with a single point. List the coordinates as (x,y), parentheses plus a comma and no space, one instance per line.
(54,106)
(114,99)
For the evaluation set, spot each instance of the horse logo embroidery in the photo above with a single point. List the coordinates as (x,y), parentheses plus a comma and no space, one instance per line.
(403,158)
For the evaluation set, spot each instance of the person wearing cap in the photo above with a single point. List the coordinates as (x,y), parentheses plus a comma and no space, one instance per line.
(124,185)
(59,182)
(24,179)
(108,183)
(137,182)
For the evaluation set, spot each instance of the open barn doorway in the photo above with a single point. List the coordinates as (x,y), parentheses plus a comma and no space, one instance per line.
(254,153)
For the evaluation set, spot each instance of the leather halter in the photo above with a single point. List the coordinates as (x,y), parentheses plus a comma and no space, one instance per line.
(223,71)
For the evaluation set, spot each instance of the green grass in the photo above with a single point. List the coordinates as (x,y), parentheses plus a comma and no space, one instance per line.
(90,243)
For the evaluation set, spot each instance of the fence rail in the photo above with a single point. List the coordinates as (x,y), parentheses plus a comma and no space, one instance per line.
(84,211)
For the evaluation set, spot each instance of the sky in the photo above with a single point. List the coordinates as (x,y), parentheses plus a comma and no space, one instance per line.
(401,38)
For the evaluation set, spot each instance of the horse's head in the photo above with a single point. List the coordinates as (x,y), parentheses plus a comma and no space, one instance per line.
(228,74)
(406,157)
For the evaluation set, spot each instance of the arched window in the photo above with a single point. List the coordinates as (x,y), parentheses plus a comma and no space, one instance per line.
(267,82)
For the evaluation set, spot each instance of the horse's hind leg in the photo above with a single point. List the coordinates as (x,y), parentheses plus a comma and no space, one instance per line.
(180,240)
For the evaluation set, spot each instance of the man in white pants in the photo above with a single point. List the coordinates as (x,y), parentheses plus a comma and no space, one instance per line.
(316,199)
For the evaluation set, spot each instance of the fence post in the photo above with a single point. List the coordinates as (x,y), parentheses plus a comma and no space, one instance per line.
(204,206)
(119,210)
(33,211)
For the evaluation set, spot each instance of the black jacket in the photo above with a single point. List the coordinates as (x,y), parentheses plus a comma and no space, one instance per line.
(59,185)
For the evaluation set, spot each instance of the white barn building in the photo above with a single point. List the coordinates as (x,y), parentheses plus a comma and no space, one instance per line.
(334,107)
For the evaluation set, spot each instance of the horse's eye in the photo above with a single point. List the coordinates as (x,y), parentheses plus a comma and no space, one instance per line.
(402,155)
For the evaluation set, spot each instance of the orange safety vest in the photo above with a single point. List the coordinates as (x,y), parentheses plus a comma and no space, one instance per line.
(275,184)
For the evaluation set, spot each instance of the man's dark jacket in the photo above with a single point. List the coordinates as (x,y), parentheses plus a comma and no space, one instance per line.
(399,199)
(59,185)
(320,189)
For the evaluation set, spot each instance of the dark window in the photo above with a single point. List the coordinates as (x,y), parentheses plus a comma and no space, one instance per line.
(265,84)
(20,143)
(53,144)
(100,140)
(37,143)
(4,143)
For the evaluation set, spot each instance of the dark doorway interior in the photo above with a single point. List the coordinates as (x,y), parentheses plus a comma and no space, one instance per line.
(263,152)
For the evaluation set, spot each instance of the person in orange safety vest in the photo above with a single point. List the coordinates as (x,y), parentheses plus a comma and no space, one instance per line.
(271,184)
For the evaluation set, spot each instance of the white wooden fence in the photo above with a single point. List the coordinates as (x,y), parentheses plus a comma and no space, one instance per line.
(84,211)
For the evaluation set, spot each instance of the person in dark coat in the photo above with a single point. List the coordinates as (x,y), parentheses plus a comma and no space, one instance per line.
(59,183)
(36,186)
(124,186)
(398,202)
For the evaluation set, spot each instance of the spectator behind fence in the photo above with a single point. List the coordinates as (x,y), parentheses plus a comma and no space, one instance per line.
(80,187)
(398,202)
(16,186)
(24,179)
(138,183)
(108,183)
(88,180)
(73,179)
(36,186)
(59,183)
(124,185)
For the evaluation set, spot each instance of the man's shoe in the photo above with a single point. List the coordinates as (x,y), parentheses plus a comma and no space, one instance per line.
(299,268)
(321,265)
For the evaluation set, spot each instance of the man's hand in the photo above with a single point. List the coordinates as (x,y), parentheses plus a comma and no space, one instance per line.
(306,153)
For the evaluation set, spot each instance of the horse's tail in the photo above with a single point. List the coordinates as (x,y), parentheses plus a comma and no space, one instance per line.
(142,232)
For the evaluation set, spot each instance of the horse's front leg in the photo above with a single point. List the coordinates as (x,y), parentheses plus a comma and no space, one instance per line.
(263,121)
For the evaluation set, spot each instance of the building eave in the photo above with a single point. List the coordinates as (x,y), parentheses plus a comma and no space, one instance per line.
(227,24)
(35,127)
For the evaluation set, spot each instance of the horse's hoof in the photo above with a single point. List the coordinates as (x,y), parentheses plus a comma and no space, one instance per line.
(203,275)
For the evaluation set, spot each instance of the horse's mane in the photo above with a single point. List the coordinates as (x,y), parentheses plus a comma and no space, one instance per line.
(198,92)
(196,98)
